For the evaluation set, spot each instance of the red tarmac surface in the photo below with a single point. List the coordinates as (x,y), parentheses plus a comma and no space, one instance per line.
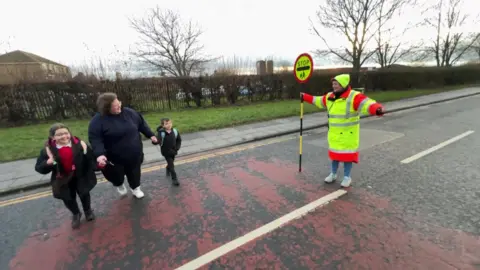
(172,226)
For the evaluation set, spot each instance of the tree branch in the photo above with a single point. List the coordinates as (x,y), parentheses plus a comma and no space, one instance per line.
(359,21)
(169,45)
(448,47)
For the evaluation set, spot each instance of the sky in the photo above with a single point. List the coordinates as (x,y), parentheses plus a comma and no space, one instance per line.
(71,32)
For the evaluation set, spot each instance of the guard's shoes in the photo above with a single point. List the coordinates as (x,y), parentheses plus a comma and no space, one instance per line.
(89,215)
(138,193)
(76,220)
(122,190)
(346,182)
(331,178)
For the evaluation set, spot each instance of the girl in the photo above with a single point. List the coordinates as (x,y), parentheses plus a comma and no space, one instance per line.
(72,165)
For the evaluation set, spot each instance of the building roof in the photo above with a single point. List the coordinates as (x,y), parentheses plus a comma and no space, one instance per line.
(24,57)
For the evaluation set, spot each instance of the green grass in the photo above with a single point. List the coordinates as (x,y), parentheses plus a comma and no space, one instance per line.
(25,142)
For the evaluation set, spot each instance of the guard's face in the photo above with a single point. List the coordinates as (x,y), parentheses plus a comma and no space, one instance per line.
(336,86)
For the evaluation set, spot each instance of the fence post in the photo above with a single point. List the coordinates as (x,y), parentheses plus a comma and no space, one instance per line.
(167,86)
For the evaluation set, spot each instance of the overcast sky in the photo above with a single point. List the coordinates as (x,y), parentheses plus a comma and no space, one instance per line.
(71,31)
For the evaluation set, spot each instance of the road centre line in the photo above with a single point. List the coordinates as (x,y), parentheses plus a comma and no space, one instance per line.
(158,167)
(265,229)
(436,147)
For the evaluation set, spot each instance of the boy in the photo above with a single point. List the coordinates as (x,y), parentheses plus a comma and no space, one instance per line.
(170,142)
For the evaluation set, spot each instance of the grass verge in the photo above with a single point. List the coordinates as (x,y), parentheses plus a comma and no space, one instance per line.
(25,142)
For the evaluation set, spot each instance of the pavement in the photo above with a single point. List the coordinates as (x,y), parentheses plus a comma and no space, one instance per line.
(414,204)
(19,176)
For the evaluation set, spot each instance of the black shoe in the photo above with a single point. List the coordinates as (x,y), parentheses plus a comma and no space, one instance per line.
(175,182)
(89,215)
(76,220)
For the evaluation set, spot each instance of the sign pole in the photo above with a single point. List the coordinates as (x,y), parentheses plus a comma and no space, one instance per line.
(301,134)
(302,70)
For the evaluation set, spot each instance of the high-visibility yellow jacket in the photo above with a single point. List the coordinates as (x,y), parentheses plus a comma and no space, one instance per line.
(344,119)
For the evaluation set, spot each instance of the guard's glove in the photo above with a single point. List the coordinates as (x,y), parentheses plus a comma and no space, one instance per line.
(379,111)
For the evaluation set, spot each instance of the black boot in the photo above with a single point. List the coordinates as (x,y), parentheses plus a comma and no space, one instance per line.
(175,179)
(175,182)
(89,215)
(76,220)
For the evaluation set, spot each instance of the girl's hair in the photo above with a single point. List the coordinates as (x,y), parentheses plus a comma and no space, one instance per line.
(104,102)
(163,120)
(56,127)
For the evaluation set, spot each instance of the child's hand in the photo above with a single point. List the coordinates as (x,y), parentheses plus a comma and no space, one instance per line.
(50,161)
(102,160)
(101,165)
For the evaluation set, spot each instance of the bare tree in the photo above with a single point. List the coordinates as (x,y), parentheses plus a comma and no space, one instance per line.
(5,46)
(449,45)
(101,66)
(476,47)
(357,20)
(390,49)
(2,43)
(168,44)
(92,70)
(280,64)
(234,66)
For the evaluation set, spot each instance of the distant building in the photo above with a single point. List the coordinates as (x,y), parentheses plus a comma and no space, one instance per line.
(269,67)
(261,67)
(18,66)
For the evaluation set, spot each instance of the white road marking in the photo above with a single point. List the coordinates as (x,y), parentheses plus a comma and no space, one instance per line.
(436,147)
(267,228)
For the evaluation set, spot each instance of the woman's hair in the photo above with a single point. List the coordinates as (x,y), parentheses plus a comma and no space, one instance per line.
(104,102)
(55,127)
(163,120)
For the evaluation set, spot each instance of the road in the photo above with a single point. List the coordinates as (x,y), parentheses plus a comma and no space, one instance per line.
(423,213)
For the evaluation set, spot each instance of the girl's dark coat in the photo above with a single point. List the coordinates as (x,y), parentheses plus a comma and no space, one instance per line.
(83,176)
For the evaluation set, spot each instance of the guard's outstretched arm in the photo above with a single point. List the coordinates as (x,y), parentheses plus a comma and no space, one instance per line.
(319,101)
